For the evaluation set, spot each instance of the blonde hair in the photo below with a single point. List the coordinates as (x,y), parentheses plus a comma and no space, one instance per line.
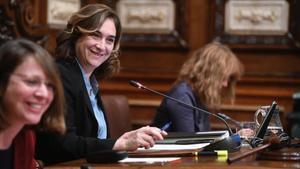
(205,71)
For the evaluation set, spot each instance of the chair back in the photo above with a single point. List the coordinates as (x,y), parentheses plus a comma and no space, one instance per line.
(117,113)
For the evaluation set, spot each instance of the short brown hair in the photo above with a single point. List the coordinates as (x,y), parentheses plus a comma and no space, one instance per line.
(87,20)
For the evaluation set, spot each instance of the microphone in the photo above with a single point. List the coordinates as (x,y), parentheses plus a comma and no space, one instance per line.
(231,143)
(225,117)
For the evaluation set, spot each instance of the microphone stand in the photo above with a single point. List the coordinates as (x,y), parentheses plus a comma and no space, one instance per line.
(225,117)
(231,143)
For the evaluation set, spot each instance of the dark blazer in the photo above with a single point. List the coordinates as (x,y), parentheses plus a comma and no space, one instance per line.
(81,136)
(184,119)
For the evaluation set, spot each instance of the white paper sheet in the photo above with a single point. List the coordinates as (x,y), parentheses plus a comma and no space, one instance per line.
(175,147)
(148,160)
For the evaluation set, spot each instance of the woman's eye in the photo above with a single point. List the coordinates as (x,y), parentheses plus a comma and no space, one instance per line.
(50,86)
(32,82)
(111,40)
(95,35)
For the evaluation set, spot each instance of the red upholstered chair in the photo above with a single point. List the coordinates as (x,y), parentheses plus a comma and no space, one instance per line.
(118,114)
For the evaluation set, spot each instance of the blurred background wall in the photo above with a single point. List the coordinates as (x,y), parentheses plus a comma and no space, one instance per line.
(272,62)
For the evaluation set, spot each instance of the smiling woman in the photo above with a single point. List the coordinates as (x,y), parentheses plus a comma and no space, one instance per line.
(93,49)
(27,96)
(29,93)
(89,49)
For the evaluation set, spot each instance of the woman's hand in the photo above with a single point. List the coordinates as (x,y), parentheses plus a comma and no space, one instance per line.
(246,132)
(142,137)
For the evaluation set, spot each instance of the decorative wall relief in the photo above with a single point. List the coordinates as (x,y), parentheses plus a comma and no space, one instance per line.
(144,16)
(257,18)
(153,23)
(59,11)
(255,23)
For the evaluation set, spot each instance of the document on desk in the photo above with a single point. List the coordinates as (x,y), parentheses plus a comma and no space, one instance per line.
(194,138)
(168,150)
(149,160)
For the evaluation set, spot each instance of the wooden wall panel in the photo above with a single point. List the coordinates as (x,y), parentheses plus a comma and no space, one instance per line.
(271,74)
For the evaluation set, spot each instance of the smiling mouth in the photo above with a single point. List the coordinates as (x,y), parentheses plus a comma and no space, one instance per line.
(97,53)
(36,107)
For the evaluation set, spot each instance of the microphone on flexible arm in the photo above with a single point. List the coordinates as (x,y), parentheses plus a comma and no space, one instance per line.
(225,117)
(231,143)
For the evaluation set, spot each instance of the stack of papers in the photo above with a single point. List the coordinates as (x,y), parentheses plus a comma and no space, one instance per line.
(177,144)
(194,138)
(160,147)
(168,150)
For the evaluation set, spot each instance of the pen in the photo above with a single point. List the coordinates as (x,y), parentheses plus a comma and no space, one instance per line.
(212,153)
(166,126)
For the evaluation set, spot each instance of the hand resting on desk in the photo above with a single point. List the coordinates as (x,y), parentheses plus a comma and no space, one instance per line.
(246,133)
(142,137)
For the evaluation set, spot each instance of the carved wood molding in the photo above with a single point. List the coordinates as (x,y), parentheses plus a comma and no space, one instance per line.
(22,19)
(6,27)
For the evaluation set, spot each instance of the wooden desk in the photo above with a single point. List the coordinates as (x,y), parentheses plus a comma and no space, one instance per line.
(202,162)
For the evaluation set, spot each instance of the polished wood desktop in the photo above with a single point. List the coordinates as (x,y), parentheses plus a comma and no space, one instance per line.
(191,162)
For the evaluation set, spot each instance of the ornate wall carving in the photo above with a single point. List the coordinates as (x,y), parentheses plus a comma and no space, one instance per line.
(22,19)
